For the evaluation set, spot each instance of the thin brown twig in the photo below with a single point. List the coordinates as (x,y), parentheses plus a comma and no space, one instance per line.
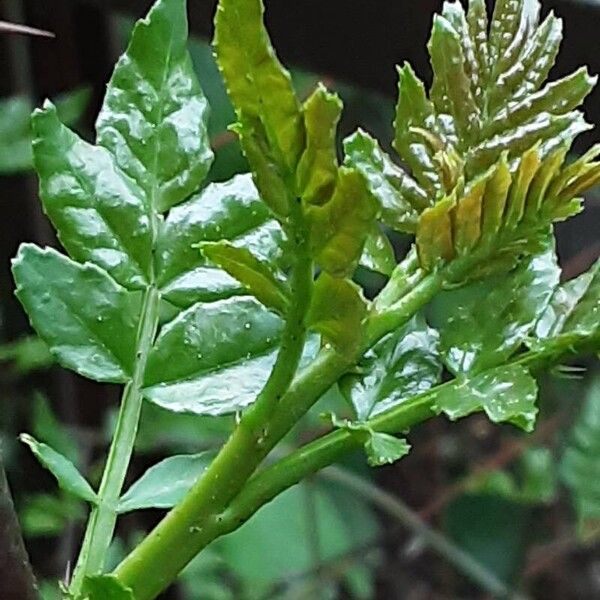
(6,27)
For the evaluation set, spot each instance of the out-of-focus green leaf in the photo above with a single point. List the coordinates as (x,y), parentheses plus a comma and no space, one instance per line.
(166,483)
(339,228)
(15,128)
(213,358)
(88,321)
(537,473)
(68,477)
(400,197)
(337,310)
(485,322)
(78,186)
(580,464)
(223,211)
(276,543)
(256,277)
(561,306)
(506,394)
(154,115)
(46,426)
(27,354)
(105,587)
(43,515)
(585,317)
(491,528)
(318,167)
(403,364)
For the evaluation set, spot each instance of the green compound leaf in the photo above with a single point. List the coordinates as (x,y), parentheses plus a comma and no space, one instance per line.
(213,358)
(337,310)
(165,484)
(400,197)
(318,167)
(380,448)
(484,323)
(256,276)
(580,464)
(507,394)
(339,228)
(403,364)
(100,214)
(88,321)
(229,211)
(68,477)
(259,87)
(104,587)
(154,115)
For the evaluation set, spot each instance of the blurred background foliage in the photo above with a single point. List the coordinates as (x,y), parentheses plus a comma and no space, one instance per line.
(474,510)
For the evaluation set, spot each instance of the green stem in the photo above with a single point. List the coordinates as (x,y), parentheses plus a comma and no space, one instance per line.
(174,542)
(157,561)
(309,459)
(102,521)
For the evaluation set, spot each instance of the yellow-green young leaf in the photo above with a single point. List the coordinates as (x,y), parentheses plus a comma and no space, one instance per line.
(339,228)
(255,275)
(494,204)
(485,98)
(154,115)
(477,21)
(78,186)
(337,310)
(434,235)
(414,110)
(68,477)
(400,197)
(105,587)
(317,169)
(378,254)
(507,394)
(452,88)
(88,321)
(468,214)
(259,87)
(515,206)
(269,177)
